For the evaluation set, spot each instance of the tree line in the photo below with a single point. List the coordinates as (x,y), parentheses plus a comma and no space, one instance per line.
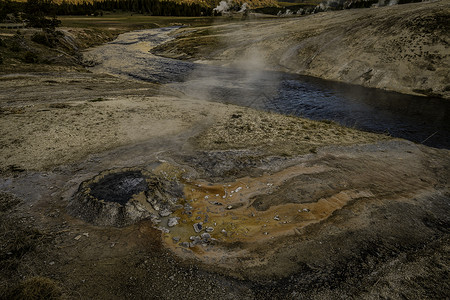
(149,7)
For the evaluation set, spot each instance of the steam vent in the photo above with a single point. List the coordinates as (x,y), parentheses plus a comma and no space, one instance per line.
(124,196)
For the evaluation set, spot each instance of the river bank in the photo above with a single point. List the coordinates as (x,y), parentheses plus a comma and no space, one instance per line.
(401,48)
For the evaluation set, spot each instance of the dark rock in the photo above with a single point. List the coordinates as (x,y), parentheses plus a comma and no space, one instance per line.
(198,227)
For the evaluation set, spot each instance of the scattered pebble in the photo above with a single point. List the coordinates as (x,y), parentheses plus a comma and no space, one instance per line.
(86,234)
(172,222)
(184,244)
(205,236)
(155,220)
(198,227)
(277,218)
(195,238)
(209,229)
(165,213)
(230,207)
(163,229)
(78,237)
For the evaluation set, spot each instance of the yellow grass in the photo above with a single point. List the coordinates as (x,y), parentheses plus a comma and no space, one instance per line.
(251,3)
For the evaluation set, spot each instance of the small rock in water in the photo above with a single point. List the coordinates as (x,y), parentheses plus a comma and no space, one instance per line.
(177,207)
(155,220)
(198,227)
(184,244)
(206,236)
(163,229)
(209,229)
(172,222)
(165,213)
(194,238)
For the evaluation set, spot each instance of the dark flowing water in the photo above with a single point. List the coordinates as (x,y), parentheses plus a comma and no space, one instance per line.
(419,119)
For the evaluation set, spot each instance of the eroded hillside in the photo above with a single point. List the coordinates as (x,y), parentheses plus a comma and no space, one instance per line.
(403,48)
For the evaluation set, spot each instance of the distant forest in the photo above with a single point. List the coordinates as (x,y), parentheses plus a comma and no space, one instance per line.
(150,7)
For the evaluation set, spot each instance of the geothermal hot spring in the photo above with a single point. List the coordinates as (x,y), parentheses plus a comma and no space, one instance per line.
(194,212)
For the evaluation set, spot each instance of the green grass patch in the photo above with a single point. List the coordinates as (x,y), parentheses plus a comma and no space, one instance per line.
(127,21)
(306,3)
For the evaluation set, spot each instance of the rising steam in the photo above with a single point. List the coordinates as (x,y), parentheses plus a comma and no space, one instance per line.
(244,81)
(228,7)
(223,7)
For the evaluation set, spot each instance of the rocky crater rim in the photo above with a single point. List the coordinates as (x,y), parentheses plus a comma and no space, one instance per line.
(124,196)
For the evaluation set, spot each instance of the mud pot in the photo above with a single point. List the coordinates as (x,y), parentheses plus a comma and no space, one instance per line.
(342,220)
